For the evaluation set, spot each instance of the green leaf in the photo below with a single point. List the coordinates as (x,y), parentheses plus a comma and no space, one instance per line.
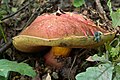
(19,2)
(2,34)
(117,70)
(78,3)
(3,78)
(115,18)
(14,9)
(114,15)
(102,72)
(109,5)
(22,68)
(113,48)
(115,42)
(98,58)
(115,51)
(2,13)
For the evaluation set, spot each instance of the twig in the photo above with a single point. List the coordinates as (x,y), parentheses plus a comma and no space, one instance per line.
(38,11)
(72,66)
(6,46)
(103,15)
(101,10)
(15,12)
(34,15)
(73,62)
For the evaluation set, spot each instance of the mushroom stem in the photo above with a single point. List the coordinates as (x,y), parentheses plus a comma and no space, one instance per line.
(50,58)
(61,51)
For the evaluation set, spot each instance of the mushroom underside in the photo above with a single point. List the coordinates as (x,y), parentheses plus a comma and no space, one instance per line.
(27,43)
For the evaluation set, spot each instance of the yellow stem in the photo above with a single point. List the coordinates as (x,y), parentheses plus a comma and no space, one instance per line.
(60,51)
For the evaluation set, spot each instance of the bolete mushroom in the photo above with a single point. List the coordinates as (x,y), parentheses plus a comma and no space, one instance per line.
(62,31)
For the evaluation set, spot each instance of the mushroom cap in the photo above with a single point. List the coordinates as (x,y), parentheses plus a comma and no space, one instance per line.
(63,30)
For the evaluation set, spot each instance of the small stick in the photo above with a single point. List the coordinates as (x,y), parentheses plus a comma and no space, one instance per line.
(72,66)
(101,10)
(15,12)
(103,14)
(6,46)
(38,11)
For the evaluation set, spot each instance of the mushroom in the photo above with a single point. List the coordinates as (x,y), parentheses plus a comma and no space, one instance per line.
(61,31)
